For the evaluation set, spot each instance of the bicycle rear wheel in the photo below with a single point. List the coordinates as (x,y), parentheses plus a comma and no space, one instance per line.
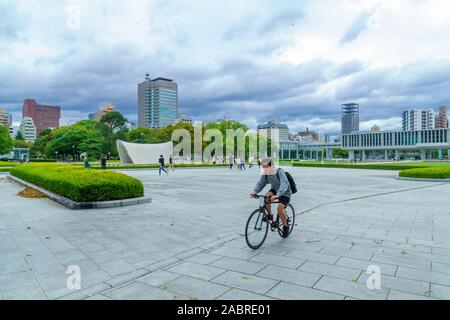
(290,213)
(256,230)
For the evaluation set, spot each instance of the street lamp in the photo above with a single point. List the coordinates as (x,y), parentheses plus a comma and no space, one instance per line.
(73,152)
(56,155)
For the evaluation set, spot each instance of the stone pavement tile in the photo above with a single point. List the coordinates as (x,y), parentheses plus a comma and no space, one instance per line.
(281,261)
(440,292)
(301,278)
(196,288)
(99,297)
(12,263)
(417,255)
(245,282)
(196,270)
(69,256)
(440,267)
(402,261)
(400,284)
(234,253)
(86,293)
(102,256)
(245,266)
(161,264)
(364,264)
(314,245)
(29,292)
(237,294)
(400,295)
(330,270)
(441,251)
(85,265)
(17,280)
(116,267)
(203,258)
(364,254)
(139,291)
(288,291)
(405,246)
(423,275)
(350,288)
(314,256)
(117,281)
(158,278)
(189,253)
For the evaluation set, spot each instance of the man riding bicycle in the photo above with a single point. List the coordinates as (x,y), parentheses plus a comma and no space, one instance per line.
(280,190)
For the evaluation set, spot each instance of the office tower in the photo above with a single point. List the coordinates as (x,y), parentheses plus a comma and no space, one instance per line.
(418,119)
(157,103)
(28,129)
(442,119)
(275,124)
(4,118)
(44,116)
(184,118)
(350,118)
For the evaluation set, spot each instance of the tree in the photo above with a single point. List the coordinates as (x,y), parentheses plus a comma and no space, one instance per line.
(21,144)
(19,136)
(6,144)
(111,126)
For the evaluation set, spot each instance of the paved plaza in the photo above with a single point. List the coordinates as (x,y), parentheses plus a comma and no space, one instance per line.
(188,243)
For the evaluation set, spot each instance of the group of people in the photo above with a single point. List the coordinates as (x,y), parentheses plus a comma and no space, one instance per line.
(162,164)
(239,162)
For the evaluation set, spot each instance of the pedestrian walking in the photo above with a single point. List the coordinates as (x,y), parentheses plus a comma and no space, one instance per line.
(161,165)
(103,162)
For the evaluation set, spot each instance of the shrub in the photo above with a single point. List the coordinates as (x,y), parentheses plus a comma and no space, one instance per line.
(427,173)
(156,166)
(359,166)
(79,184)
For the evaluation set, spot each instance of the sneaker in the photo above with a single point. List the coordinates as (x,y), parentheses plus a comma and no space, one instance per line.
(285,231)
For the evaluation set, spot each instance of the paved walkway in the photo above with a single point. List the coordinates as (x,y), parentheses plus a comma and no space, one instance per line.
(188,243)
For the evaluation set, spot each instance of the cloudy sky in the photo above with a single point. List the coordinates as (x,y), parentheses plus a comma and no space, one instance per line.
(251,60)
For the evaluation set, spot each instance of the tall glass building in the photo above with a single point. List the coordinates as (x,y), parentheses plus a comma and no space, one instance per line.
(158,103)
(350,118)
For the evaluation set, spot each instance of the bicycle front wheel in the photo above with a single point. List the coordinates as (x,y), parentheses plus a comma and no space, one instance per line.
(256,230)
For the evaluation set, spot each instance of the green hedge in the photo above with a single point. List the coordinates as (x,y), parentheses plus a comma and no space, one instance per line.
(359,166)
(427,173)
(156,166)
(80,184)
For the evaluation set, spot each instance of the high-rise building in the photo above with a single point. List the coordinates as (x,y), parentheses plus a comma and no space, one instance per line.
(267,128)
(418,119)
(107,108)
(44,116)
(442,119)
(158,103)
(13,131)
(28,129)
(350,118)
(184,118)
(4,118)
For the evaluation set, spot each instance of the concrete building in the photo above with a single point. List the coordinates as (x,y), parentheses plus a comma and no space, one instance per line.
(375,129)
(184,118)
(107,108)
(308,136)
(441,121)
(269,127)
(350,118)
(387,145)
(418,119)
(13,131)
(28,129)
(5,118)
(44,116)
(157,103)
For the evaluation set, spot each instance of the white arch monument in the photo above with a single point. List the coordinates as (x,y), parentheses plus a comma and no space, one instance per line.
(137,153)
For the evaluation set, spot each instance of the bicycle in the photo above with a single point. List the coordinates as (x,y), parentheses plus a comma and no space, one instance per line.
(258,223)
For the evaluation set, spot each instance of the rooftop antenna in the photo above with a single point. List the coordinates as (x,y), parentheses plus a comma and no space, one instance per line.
(147,76)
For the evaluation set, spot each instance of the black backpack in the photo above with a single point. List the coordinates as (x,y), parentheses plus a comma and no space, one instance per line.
(291,181)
